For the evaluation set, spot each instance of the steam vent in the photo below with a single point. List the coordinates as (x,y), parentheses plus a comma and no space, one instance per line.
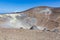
(38,23)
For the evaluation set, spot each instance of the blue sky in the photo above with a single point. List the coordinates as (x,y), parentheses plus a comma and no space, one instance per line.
(21,5)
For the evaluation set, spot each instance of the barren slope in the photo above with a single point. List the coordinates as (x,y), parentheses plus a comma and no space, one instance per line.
(42,17)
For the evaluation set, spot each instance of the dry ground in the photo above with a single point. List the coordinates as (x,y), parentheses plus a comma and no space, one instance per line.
(18,34)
